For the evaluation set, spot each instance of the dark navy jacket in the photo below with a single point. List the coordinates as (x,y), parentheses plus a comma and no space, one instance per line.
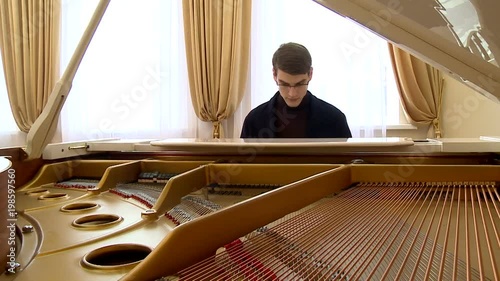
(325,120)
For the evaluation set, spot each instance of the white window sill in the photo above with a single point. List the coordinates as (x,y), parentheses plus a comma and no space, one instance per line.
(401,127)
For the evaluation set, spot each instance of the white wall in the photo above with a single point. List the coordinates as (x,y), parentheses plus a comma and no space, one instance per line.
(466,113)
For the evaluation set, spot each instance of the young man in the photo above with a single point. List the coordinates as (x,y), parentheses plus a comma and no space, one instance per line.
(293,112)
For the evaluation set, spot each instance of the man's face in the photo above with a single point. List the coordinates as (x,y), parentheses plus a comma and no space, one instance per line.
(292,88)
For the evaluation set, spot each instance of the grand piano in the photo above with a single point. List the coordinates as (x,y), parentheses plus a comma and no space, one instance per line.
(241,209)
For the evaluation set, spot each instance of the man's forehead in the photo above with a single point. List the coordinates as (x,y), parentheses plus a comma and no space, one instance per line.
(286,77)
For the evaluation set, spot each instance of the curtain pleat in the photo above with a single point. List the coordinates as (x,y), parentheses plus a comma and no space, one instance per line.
(217,34)
(420,88)
(29,43)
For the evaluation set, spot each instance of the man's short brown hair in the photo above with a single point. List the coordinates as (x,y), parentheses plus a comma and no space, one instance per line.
(292,58)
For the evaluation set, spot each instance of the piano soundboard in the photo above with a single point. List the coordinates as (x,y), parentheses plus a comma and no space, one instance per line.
(106,220)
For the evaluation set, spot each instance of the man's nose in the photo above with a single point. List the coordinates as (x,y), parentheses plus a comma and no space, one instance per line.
(293,91)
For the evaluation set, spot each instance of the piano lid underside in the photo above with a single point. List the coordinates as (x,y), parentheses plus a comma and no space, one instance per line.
(461,38)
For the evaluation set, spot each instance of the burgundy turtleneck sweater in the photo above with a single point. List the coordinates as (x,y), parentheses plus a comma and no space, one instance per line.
(294,125)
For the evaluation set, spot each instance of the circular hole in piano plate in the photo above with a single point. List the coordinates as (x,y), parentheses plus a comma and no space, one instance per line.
(79,207)
(53,196)
(115,256)
(97,221)
(37,191)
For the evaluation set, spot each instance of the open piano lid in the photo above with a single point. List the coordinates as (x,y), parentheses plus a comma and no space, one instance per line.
(459,37)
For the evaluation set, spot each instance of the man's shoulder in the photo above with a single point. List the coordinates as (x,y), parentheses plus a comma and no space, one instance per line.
(256,120)
(322,105)
(263,108)
(259,110)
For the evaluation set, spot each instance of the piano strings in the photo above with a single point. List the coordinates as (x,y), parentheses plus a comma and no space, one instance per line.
(374,231)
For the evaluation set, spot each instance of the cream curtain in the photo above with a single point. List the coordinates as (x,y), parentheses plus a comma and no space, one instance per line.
(29,43)
(217,34)
(421,89)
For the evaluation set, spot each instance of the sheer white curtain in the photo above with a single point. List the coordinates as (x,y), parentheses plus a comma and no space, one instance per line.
(351,66)
(132,82)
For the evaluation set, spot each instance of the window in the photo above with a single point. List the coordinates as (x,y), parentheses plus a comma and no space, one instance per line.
(351,65)
(132,82)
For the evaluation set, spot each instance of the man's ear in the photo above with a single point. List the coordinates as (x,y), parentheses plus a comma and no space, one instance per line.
(275,75)
(310,73)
